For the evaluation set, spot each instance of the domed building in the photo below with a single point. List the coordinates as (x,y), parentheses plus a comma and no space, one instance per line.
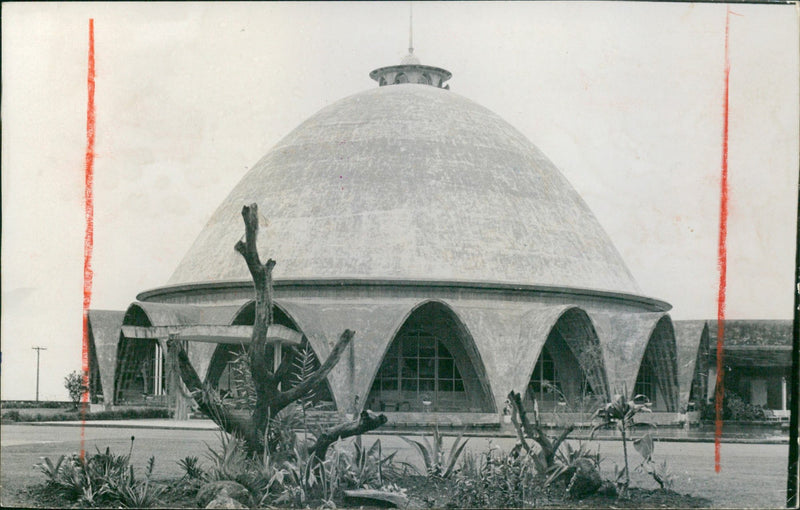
(462,258)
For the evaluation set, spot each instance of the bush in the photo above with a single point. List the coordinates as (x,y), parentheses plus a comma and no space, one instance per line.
(734,408)
(32,404)
(119,414)
(101,479)
(12,415)
(497,480)
(438,462)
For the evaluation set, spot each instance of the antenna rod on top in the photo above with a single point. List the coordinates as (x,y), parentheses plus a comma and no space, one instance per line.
(410,28)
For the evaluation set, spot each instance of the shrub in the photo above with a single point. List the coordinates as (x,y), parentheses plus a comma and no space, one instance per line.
(119,414)
(437,464)
(12,415)
(497,480)
(567,462)
(660,472)
(366,467)
(191,468)
(101,479)
(31,404)
(733,408)
(76,386)
(621,413)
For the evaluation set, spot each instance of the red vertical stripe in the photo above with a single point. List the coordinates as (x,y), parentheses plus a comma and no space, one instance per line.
(722,252)
(88,240)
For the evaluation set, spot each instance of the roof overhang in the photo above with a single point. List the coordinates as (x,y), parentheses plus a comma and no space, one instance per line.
(169,292)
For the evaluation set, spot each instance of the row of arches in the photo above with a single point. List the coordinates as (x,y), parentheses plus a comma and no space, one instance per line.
(431,363)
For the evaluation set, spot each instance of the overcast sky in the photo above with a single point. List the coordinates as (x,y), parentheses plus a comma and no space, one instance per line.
(625,98)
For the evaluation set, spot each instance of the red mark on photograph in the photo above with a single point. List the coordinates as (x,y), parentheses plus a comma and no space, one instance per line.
(88,240)
(722,261)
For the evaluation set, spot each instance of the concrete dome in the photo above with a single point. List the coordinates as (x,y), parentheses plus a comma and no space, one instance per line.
(410,182)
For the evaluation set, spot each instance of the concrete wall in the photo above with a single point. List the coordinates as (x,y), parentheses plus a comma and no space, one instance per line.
(503,330)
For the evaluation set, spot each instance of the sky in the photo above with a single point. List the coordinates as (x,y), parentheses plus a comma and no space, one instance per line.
(625,98)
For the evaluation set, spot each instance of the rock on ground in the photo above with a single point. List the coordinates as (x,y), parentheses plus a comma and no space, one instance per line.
(226,488)
(224,501)
(380,497)
(586,480)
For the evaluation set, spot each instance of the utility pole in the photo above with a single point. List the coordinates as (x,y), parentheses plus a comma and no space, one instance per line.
(38,351)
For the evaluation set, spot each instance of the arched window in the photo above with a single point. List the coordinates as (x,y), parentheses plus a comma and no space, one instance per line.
(569,374)
(646,383)
(417,368)
(429,360)
(401,78)
(544,385)
(140,371)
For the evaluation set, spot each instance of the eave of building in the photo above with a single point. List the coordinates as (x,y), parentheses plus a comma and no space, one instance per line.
(170,292)
(744,356)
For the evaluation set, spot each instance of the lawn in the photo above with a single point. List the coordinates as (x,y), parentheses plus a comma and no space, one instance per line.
(752,475)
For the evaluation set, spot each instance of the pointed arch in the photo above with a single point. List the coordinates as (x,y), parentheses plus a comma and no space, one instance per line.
(657,378)
(431,357)
(136,375)
(692,342)
(104,332)
(570,369)
(698,390)
(147,355)
(219,372)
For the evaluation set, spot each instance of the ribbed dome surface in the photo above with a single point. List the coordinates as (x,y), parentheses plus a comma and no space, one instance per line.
(410,182)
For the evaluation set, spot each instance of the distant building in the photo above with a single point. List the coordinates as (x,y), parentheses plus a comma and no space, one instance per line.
(466,263)
(757,356)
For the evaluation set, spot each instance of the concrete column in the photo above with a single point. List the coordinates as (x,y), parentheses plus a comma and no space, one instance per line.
(178,393)
(158,370)
(783,393)
(712,382)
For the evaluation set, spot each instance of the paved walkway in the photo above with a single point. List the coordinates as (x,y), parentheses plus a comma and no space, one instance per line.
(664,434)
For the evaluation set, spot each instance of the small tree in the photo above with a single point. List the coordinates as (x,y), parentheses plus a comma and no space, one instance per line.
(621,412)
(76,386)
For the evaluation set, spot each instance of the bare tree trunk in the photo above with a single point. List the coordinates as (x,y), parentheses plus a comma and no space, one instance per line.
(535,431)
(270,400)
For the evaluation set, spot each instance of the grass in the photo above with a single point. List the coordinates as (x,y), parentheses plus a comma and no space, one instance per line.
(752,475)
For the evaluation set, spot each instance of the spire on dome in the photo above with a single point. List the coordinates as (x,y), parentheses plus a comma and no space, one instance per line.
(410,28)
(410,69)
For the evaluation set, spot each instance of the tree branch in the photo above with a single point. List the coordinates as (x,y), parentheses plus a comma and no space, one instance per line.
(367,421)
(232,423)
(286,397)
(518,428)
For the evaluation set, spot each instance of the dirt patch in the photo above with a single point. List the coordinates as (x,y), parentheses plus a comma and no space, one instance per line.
(422,493)
(432,493)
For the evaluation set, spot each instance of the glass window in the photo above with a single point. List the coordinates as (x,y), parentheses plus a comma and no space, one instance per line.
(418,363)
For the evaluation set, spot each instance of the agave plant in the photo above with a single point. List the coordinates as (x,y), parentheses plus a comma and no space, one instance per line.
(567,461)
(51,469)
(437,464)
(621,412)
